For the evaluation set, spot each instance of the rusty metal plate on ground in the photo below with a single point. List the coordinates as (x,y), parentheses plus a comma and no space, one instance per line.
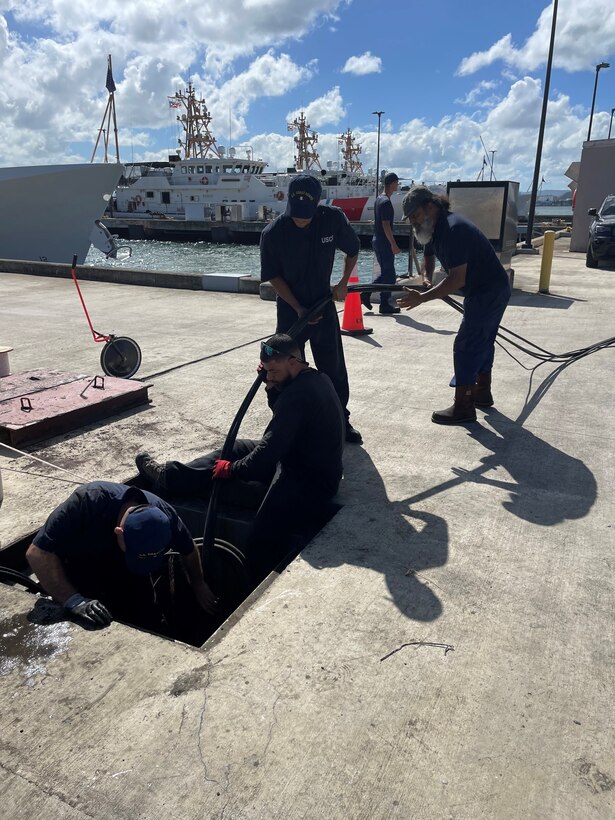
(33,381)
(38,404)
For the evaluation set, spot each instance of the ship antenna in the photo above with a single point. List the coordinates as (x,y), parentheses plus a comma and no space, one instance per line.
(198,141)
(306,140)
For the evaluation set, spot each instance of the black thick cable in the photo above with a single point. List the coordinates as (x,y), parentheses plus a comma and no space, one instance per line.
(544,356)
(12,576)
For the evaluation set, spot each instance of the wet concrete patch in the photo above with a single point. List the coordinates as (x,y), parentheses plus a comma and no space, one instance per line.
(28,648)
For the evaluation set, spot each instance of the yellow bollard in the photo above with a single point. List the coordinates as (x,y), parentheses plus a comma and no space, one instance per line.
(547,261)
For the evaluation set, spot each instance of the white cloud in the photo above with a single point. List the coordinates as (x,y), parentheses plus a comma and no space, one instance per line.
(366,63)
(326,109)
(477,95)
(585,35)
(53,63)
(267,76)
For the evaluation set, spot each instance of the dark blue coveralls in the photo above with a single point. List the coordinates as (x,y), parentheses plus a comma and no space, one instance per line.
(304,258)
(456,241)
(384,212)
(290,475)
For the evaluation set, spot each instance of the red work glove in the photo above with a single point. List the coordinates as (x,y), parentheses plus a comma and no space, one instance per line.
(222,469)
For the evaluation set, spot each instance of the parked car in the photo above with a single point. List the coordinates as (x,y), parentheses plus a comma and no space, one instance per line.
(601,233)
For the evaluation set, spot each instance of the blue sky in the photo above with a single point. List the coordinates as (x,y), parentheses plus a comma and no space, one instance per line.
(445,74)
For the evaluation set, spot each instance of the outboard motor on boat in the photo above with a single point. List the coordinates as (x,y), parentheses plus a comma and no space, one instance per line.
(107,242)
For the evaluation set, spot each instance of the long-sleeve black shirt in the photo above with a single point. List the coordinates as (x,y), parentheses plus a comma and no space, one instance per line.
(305,436)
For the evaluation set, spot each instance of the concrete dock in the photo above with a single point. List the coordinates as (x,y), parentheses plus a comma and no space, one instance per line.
(444,648)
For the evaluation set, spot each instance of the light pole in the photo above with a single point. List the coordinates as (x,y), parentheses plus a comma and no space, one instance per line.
(541,132)
(591,116)
(611,123)
(378,114)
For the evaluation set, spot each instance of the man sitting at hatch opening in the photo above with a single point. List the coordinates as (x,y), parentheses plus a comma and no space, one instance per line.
(298,461)
(100,554)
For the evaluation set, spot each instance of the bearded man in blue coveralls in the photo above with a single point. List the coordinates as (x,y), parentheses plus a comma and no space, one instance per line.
(384,245)
(297,255)
(472,268)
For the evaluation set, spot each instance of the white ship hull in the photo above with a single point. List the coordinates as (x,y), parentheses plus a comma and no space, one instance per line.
(214,189)
(47,212)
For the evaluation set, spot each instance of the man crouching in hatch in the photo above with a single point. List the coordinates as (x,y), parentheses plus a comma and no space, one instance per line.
(298,461)
(103,554)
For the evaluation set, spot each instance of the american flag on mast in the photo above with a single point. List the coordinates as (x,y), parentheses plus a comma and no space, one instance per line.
(173,103)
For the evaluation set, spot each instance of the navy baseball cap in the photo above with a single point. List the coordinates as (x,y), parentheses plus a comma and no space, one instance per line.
(304,192)
(147,536)
(419,195)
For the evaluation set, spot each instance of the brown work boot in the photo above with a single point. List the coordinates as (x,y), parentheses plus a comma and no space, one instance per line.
(152,470)
(482,394)
(461,411)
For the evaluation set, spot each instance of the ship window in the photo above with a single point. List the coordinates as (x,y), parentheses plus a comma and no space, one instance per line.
(199,169)
(166,198)
(238,169)
(184,169)
(208,169)
(194,199)
(149,194)
(191,169)
(227,169)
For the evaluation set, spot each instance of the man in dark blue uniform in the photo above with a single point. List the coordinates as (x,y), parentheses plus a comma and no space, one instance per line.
(473,268)
(384,245)
(297,255)
(99,551)
(297,463)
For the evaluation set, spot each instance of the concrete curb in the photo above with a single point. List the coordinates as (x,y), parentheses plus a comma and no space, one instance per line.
(130,276)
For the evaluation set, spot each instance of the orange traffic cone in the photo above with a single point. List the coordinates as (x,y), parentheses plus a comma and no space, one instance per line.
(352,321)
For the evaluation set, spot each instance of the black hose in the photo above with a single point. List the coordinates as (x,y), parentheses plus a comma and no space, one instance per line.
(13,576)
(212,509)
(544,356)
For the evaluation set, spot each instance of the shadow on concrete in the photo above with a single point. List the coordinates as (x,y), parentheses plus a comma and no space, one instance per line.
(408,321)
(552,301)
(395,540)
(546,485)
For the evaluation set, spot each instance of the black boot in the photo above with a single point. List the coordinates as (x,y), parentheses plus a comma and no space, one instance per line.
(388,308)
(482,395)
(353,436)
(152,470)
(461,411)
(366,299)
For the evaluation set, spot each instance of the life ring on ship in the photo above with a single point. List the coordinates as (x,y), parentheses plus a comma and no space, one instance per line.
(280,195)
(204,181)
(138,199)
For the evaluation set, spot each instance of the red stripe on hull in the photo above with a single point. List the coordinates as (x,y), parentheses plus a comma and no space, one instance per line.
(352,207)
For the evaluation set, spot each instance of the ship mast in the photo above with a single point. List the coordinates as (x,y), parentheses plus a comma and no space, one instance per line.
(350,153)
(108,116)
(307,156)
(199,141)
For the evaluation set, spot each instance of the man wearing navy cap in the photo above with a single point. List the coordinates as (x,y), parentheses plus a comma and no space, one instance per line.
(384,245)
(473,268)
(297,256)
(98,552)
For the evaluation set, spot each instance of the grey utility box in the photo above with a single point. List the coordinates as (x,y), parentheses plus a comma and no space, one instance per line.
(492,207)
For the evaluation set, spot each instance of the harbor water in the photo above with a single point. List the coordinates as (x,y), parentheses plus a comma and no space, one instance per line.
(211,257)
